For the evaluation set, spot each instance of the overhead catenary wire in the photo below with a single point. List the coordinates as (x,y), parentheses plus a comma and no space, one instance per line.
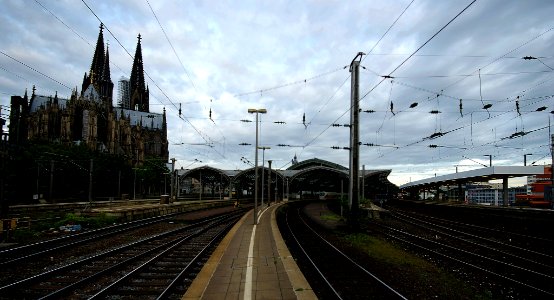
(288,84)
(171,44)
(400,65)
(370,51)
(35,70)
(398,106)
(419,48)
(75,32)
(387,31)
(183,67)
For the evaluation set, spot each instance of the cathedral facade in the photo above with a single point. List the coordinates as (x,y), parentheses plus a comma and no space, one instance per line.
(89,116)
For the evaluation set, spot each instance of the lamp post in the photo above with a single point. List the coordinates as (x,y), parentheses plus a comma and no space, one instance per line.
(256,111)
(525,158)
(263,170)
(269,184)
(490,159)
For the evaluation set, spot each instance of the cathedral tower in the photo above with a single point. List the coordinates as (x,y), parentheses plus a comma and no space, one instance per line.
(99,75)
(139,90)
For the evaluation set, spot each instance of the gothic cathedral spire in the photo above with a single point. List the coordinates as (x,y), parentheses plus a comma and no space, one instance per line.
(139,91)
(99,75)
(105,81)
(97,64)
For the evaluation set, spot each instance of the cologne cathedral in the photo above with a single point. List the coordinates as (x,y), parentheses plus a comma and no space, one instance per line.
(89,117)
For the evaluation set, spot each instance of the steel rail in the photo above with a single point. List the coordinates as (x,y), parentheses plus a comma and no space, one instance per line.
(41,276)
(427,249)
(170,246)
(341,253)
(65,242)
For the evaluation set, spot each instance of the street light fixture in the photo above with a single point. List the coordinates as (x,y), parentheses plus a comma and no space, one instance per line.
(490,159)
(525,158)
(257,112)
(192,163)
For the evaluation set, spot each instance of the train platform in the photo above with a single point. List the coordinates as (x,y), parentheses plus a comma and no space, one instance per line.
(251,262)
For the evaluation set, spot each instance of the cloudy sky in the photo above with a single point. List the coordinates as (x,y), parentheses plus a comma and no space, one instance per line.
(423,90)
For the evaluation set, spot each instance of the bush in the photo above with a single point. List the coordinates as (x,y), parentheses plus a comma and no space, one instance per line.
(101,220)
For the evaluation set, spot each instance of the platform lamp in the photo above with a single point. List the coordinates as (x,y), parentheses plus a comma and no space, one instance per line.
(257,112)
(490,159)
(525,158)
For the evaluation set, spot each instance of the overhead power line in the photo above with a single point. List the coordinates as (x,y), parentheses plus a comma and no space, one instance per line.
(296,82)
(387,31)
(60,20)
(204,136)
(370,50)
(419,48)
(33,69)
(173,48)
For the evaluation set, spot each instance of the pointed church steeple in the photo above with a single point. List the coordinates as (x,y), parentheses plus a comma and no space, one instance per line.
(94,76)
(99,77)
(139,92)
(164,123)
(106,68)
(106,84)
(97,65)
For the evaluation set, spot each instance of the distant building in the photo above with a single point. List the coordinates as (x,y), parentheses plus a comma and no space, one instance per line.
(90,118)
(539,190)
(491,194)
(124,93)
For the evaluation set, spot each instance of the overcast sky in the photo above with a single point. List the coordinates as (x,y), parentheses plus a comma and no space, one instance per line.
(289,57)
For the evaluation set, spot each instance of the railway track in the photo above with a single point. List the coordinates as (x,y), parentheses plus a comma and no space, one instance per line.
(512,264)
(332,273)
(20,254)
(152,267)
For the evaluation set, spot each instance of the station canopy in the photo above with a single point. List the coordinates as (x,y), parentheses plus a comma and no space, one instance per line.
(478,175)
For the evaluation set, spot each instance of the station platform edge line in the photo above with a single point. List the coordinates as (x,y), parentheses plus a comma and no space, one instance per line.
(300,286)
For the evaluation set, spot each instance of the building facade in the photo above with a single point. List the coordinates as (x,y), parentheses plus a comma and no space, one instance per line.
(124,93)
(491,194)
(89,116)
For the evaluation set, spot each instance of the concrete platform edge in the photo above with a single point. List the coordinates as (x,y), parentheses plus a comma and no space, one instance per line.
(300,285)
(302,288)
(199,284)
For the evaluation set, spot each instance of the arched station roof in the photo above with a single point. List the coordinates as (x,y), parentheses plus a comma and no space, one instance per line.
(250,173)
(319,178)
(206,173)
(309,175)
(316,162)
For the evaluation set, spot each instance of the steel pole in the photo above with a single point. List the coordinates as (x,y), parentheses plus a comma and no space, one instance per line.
(263,172)
(269,184)
(256,175)
(354,143)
